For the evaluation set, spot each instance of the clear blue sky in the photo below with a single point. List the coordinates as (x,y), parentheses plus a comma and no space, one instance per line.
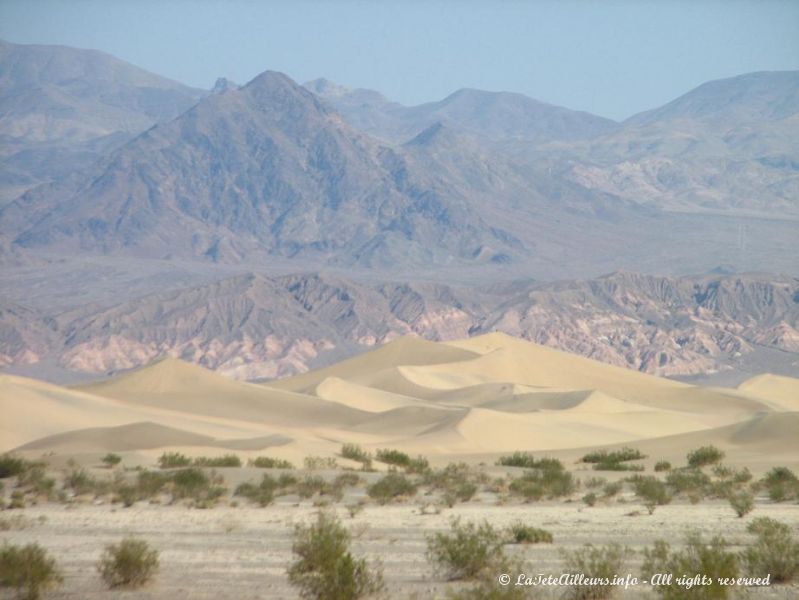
(613,58)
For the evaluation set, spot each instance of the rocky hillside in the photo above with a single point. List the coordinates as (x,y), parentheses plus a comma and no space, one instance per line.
(252,326)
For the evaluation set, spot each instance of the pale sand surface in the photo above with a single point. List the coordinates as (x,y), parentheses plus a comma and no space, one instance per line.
(239,553)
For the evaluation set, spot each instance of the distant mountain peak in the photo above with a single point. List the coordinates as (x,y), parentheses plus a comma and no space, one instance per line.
(326,88)
(223,85)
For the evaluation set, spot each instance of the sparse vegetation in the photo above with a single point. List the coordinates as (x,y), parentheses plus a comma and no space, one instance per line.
(261,494)
(466,550)
(602,562)
(651,491)
(266,462)
(549,479)
(325,569)
(742,502)
(688,481)
(356,453)
(171,460)
(774,551)
(391,487)
(590,499)
(318,463)
(130,563)
(456,482)
(781,484)
(706,455)
(519,533)
(11,465)
(662,465)
(29,570)
(228,460)
(111,460)
(393,457)
(615,456)
(712,559)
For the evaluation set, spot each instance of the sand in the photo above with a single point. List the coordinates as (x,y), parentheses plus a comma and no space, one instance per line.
(472,399)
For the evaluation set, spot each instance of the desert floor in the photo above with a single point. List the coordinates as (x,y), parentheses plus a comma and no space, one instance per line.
(243,552)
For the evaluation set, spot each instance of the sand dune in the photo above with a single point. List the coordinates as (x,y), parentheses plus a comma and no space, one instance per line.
(474,398)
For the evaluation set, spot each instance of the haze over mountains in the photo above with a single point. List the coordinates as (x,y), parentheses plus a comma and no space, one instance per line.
(170,220)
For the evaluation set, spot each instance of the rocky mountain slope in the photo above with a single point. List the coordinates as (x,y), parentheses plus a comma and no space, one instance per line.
(253,326)
(61,108)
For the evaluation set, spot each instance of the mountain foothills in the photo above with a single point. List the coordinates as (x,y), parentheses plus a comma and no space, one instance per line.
(141,218)
(253,326)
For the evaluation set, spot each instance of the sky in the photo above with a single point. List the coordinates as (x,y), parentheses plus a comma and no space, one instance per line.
(612,58)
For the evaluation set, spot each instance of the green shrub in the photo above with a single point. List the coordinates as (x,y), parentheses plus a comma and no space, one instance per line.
(466,551)
(149,483)
(393,457)
(312,484)
(775,551)
(651,491)
(261,494)
(34,481)
(356,453)
(616,466)
(520,533)
(711,559)
(111,459)
(781,484)
(391,487)
(130,563)
(590,499)
(687,480)
(602,562)
(325,569)
(742,502)
(127,494)
(170,460)
(611,489)
(189,482)
(418,465)
(11,465)
(27,569)
(266,462)
(80,482)
(518,459)
(706,455)
(317,463)
(594,482)
(662,465)
(550,479)
(615,456)
(228,460)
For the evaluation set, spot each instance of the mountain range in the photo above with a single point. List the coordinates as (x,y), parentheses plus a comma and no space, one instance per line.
(141,217)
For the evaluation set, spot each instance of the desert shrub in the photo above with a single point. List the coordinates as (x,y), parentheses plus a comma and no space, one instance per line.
(285,480)
(171,460)
(34,480)
(519,533)
(310,485)
(80,482)
(266,462)
(11,465)
(462,492)
(127,495)
(706,455)
(346,480)
(611,489)
(27,569)
(594,482)
(742,502)
(781,484)
(111,459)
(687,480)
(651,491)
(356,453)
(549,479)
(189,482)
(602,562)
(456,481)
(17,499)
(466,550)
(390,487)
(149,483)
(711,559)
(486,587)
(662,465)
(518,459)
(261,494)
(228,460)
(130,563)
(325,569)
(318,463)
(615,456)
(774,551)
(393,457)
(617,466)
(418,465)
(590,499)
